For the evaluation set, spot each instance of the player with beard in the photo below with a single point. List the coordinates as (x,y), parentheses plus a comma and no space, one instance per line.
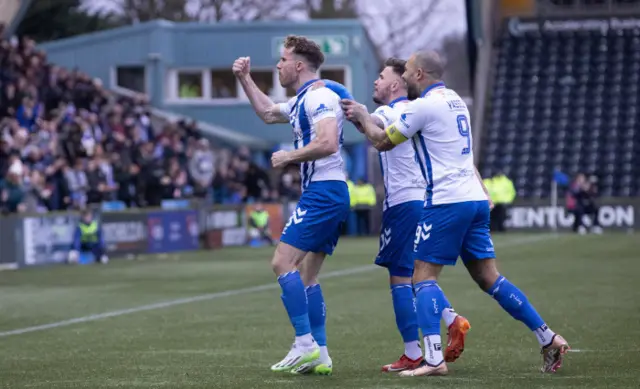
(455,218)
(313,229)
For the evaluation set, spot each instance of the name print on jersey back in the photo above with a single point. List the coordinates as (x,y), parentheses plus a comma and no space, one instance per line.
(439,127)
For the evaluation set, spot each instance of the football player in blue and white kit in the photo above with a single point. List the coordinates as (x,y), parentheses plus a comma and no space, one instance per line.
(404,183)
(455,219)
(313,229)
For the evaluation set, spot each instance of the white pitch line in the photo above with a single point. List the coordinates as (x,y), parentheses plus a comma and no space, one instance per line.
(217,295)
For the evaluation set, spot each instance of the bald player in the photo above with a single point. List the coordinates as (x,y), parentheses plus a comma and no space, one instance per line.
(404,183)
(455,217)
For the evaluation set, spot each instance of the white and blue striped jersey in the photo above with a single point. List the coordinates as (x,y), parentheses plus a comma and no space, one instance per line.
(304,111)
(401,174)
(438,124)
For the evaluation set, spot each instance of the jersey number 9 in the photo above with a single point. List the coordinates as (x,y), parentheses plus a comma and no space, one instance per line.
(465,130)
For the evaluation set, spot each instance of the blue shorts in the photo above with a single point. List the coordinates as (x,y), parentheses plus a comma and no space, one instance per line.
(316,223)
(396,237)
(447,231)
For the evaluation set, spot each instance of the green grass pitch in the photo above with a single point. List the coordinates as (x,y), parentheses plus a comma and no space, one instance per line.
(585,287)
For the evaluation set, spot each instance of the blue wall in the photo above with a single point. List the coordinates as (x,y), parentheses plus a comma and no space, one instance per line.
(161,46)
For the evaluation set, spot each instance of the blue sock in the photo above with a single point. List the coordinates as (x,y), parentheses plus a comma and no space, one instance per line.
(431,302)
(317,314)
(405,310)
(512,300)
(295,301)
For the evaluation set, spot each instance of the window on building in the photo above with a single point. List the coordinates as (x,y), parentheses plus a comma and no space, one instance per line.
(131,77)
(337,75)
(223,84)
(189,85)
(264,81)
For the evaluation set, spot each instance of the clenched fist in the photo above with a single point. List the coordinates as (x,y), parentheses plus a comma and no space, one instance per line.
(279,159)
(354,111)
(241,66)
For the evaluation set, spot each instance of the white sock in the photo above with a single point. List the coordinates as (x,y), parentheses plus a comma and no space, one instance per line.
(324,354)
(433,350)
(412,349)
(449,315)
(305,340)
(544,335)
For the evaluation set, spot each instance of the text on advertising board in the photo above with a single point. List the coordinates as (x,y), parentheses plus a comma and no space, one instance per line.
(610,216)
(518,27)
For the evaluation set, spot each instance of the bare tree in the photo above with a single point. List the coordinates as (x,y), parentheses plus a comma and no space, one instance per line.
(134,11)
(331,9)
(393,24)
(454,49)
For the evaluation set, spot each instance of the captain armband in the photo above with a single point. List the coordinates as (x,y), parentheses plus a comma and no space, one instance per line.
(395,136)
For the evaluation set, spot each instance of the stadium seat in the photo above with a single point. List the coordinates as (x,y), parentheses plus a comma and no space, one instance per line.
(565,100)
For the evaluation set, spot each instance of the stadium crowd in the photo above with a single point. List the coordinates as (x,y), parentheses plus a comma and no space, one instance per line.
(66,142)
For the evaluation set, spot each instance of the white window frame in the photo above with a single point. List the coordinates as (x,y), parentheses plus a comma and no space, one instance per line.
(224,101)
(172,94)
(113,77)
(281,92)
(347,73)
(242,97)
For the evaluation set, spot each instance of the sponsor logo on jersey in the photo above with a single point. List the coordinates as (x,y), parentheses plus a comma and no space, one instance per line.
(320,110)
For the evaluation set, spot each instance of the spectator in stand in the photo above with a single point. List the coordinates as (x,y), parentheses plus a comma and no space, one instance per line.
(57,182)
(256,182)
(77,183)
(290,189)
(28,113)
(202,168)
(581,201)
(11,190)
(65,141)
(96,183)
(175,184)
(37,194)
(149,181)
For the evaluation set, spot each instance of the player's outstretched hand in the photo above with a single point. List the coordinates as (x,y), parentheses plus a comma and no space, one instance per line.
(353,110)
(280,159)
(241,66)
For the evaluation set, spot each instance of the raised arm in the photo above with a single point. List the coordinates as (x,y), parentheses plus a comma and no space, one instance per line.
(264,107)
